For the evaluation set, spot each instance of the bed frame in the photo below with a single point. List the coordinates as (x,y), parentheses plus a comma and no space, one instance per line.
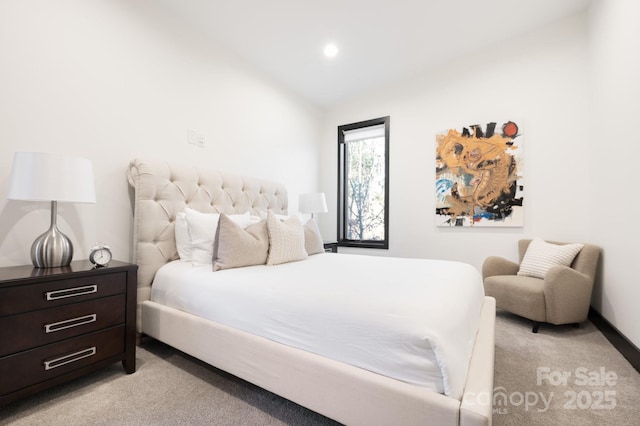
(339,391)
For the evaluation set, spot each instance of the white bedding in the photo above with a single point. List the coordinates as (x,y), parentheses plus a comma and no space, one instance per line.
(414,320)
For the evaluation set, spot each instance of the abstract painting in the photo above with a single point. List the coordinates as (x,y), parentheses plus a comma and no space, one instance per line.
(479,176)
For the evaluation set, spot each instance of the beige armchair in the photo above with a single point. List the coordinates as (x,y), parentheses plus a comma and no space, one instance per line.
(562,297)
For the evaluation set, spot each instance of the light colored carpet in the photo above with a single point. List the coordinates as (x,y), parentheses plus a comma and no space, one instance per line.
(168,388)
(171,388)
(563,366)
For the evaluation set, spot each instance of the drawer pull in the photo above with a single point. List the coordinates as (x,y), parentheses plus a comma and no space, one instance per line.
(71,292)
(67,359)
(73,322)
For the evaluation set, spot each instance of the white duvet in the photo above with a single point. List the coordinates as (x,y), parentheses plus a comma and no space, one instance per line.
(414,320)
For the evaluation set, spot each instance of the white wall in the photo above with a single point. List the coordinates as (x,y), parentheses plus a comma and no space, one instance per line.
(615,145)
(540,81)
(113,80)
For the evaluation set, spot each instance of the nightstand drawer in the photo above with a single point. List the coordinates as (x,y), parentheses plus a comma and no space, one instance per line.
(24,331)
(18,299)
(30,367)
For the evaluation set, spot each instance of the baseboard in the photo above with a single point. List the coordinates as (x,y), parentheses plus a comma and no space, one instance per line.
(617,339)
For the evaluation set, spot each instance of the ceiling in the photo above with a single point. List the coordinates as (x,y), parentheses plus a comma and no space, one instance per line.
(379,41)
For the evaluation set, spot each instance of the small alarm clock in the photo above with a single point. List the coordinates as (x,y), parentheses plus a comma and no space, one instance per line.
(100,255)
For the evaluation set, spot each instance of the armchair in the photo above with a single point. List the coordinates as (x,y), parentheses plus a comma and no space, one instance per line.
(563,296)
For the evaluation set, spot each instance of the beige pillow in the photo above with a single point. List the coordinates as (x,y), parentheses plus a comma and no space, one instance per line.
(541,256)
(312,239)
(201,231)
(286,240)
(236,246)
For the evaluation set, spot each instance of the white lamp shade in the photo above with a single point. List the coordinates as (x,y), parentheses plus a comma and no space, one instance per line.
(37,176)
(312,203)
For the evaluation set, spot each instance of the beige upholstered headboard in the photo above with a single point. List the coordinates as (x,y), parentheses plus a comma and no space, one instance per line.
(163,189)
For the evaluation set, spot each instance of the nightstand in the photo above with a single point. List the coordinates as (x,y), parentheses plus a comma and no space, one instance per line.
(57,324)
(330,246)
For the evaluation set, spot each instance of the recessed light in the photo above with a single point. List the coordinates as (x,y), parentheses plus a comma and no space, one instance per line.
(330,50)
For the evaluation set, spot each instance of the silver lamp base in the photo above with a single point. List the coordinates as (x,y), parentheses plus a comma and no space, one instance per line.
(53,248)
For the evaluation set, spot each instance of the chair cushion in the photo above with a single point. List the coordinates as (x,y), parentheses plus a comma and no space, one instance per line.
(541,256)
(520,295)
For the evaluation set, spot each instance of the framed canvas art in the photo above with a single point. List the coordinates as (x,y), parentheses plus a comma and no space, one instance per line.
(479,180)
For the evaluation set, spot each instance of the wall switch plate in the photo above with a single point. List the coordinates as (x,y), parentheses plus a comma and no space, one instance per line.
(195,138)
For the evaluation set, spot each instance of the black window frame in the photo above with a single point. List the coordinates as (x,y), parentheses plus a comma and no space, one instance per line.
(342,189)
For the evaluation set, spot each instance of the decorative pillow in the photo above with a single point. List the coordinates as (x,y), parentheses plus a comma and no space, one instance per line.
(286,240)
(183,242)
(235,246)
(312,238)
(202,231)
(254,219)
(541,256)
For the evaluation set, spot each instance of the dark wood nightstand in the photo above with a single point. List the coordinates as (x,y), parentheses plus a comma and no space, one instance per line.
(57,324)
(331,246)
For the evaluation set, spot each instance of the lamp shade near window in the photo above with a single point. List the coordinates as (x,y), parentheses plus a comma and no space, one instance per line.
(37,176)
(312,203)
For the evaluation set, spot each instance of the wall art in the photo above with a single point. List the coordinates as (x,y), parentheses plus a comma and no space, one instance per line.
(479,180)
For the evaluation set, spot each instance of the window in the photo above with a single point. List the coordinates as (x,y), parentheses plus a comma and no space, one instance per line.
(363,180)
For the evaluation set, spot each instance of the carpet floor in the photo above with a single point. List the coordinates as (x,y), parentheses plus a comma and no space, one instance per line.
(560,376)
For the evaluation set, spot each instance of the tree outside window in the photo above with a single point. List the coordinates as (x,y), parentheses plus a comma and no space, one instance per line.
(364,183)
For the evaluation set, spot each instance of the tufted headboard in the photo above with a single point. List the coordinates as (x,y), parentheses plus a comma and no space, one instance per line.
(163,189)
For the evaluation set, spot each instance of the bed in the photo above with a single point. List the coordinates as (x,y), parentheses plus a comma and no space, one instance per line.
(323,373)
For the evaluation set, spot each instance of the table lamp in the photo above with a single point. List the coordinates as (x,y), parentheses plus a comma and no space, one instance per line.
(37,176)
(314,202)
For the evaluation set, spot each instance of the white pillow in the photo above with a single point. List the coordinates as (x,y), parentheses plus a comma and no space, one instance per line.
(254,219)
(183,242)
(202,232)
(541,256)
(286,240)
